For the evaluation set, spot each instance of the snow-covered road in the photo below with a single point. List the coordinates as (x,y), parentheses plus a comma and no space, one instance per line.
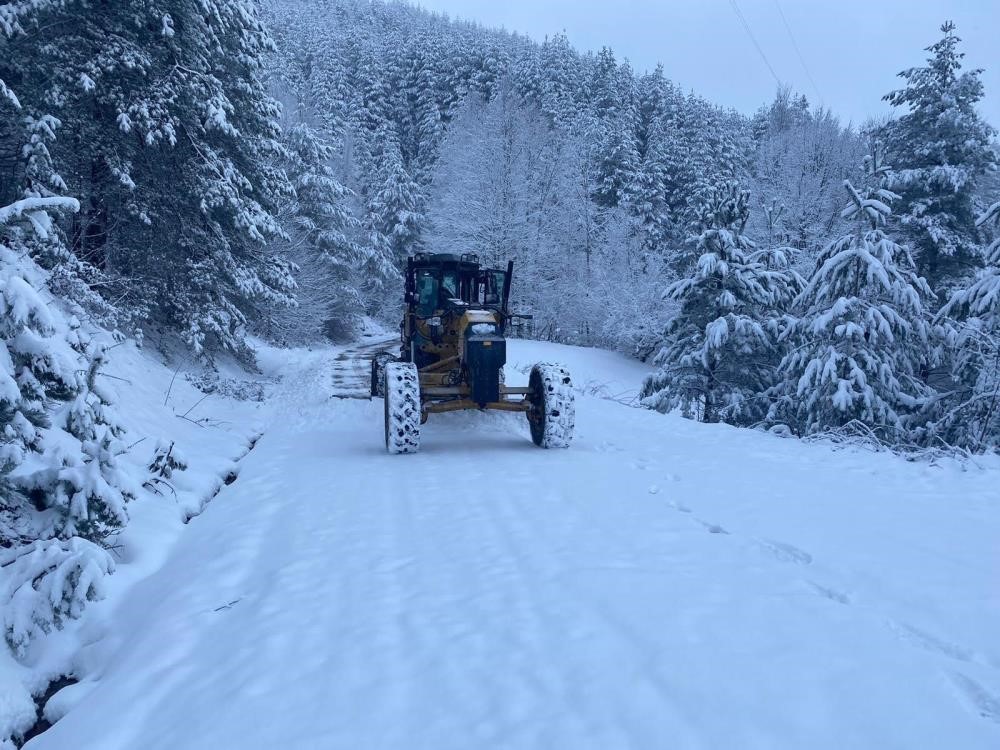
(661,584)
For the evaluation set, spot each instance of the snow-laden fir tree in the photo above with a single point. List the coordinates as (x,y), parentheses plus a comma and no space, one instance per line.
(171,143)
(58,449)
(970,415)
(939,150)
(61,491)
(716,359)
(394,210)
(862,334)
(802,158)
(322,243)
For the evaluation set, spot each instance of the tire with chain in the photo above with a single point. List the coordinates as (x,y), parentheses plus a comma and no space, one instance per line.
(401,384)
(552,416)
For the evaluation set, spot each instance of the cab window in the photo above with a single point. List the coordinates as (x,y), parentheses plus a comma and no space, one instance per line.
(449,285)
(427,294)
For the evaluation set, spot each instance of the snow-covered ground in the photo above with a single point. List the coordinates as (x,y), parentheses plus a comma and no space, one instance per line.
(660,584)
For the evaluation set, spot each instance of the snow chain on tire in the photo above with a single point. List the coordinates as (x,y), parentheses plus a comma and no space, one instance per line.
(553,414)
(402,407)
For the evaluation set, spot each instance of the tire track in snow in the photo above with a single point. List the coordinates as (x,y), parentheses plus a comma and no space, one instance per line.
(650,697)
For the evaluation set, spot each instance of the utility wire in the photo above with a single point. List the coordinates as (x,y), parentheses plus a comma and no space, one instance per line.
(746,27)
(798,52)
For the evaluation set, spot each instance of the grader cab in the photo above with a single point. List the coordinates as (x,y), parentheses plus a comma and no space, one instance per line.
(452,353)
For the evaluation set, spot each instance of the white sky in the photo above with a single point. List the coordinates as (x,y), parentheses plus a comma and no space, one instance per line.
(852,48)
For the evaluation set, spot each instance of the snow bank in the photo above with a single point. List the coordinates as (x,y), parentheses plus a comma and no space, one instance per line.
(213,434)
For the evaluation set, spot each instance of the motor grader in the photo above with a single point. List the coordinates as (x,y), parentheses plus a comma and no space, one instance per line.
(452,353)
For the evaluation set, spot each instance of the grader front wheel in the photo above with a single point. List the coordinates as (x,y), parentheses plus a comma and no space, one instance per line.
(552,416)
(402,407)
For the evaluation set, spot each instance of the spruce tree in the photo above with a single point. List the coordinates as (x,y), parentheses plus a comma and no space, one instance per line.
(969,415)
(394,210)
(862,335)
(61,494)
(714,360)
(171,144)
(939,149)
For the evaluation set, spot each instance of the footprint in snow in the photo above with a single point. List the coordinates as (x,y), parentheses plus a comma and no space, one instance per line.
(831,594)
(785,552)
(712,528)
(985,703)
(606,447)
(929,642)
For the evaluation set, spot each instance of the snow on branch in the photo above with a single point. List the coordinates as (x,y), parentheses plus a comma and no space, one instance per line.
(874,207)
(991,214)
(48,582)
(30,206)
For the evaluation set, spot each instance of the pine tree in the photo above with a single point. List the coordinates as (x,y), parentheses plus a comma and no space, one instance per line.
(802,159)
(862,336)
(394,210)
(61,493)
(171,144)
(939,149)
(970,415)
(714,360)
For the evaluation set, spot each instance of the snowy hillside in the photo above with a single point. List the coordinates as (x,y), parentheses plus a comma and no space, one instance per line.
(662,583)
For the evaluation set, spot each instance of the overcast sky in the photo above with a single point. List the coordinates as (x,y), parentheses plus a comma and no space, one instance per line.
(852,49)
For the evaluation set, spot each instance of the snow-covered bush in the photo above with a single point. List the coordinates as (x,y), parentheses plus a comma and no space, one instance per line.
(167,459)
(91,492)
(46,583)
(862,335)
(718,349)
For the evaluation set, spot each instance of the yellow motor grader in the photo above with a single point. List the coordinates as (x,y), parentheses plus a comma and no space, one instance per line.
(452,353)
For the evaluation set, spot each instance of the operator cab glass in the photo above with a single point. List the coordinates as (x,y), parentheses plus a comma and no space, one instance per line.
(493,282)
(453,282)
(449,287)
(427,294)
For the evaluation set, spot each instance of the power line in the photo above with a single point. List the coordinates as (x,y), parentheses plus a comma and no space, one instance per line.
(746,27)
(798,52)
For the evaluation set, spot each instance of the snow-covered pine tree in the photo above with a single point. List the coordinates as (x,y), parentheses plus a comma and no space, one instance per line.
(714,359)
(939,149)
(61,492)
(970,415)
(170,141)
(648,189)
(862,334)
(802,158)
(91,493)
(322,244)
(613,130)
(394,210)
